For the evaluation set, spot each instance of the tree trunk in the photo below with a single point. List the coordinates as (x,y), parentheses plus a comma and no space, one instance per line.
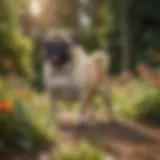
(125,40)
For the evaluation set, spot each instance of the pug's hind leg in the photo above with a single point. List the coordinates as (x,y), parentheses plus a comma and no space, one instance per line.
(106,93)
(54,110)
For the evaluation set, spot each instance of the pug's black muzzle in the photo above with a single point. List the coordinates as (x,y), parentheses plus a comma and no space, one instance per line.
(57,52)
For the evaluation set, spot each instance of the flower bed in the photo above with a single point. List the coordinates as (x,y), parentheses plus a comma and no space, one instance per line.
(23,125)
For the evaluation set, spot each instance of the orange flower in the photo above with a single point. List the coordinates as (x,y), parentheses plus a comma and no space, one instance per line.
(158,77)
(154,83)
(6,106)
(126,76)
(20,93)
(144,71)
(8,64)
(23,94)
(141,68)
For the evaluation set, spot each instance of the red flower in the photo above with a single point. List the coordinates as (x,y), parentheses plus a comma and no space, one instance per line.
(8,64)
(6,106)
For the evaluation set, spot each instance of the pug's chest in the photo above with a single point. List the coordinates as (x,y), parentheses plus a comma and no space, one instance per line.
(70,93)
(66,87)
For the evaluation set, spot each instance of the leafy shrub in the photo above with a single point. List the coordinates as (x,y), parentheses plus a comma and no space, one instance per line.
(18,127)
(139,102)
(83,151)
(15,48)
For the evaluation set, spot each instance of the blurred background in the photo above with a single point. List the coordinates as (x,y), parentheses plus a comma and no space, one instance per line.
(129,31)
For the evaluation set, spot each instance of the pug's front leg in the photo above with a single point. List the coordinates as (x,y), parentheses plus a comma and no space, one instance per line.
(54,109)
(85,109)
(59,82)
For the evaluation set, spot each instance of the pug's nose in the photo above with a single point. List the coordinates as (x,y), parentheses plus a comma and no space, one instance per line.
(55,58)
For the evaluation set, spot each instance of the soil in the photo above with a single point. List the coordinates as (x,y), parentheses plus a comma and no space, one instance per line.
(124,140)
(121,139)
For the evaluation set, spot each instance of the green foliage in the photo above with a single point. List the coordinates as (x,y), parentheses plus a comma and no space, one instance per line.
(139,102)
(15,48)
(83,151)
(23,124)
(144,22)
(89,39)
(37,81)
(112,34)
(17,130)
(105,35)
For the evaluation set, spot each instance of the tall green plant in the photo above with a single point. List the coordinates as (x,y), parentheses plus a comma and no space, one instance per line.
(15,48)
(144,21)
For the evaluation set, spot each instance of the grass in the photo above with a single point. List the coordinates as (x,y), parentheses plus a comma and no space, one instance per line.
(79,151)
(138,101)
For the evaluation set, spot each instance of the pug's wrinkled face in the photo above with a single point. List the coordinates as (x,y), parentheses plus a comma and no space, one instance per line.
(57,52)
(58,48)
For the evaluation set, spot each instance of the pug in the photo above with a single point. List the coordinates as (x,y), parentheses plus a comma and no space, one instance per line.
(71,74)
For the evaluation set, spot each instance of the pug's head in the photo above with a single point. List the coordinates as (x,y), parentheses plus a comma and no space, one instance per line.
(58,46)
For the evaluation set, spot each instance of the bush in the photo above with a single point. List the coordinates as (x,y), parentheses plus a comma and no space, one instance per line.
(83,151)
(20,128)
(139,102)
(15,48)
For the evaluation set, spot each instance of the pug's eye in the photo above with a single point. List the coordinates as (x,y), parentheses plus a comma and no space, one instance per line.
(47,52)
(48,48)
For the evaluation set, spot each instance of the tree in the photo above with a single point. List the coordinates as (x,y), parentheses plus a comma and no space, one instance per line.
(132,30)
(144,24)
(124,30)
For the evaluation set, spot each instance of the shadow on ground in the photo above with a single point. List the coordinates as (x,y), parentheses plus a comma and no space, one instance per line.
(116,131)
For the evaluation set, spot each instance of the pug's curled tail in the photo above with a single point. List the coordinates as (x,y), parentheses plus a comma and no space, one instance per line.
(101,60)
